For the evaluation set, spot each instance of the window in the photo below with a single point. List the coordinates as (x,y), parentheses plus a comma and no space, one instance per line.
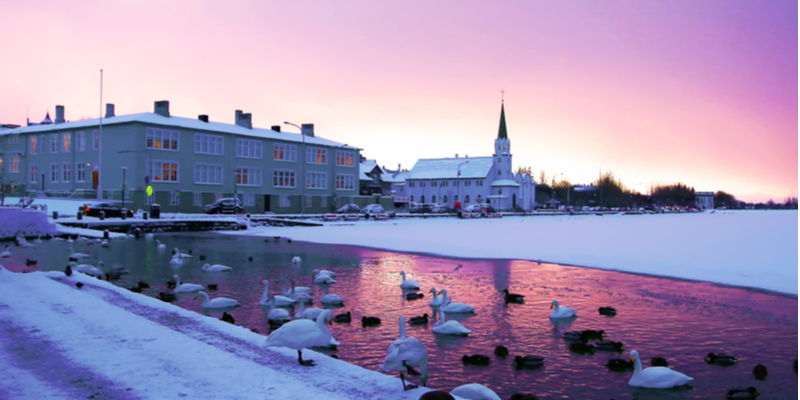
(411,198)
(285,152)
(95,140)
(433,183)
(323,201)
(248,176)
(162,139)
(444,199)
(411,184)
(422,199)
(345,182)
(80,172)
(248,148)
(249,199)
(197,199)
(478,183)
(467,183)
(80,140)
(402,189)
(316,180)
(164,171)
(1,165)
(466,199)
(13,139)
(499,173)
(433,199)
(66,139)
(174,198)
(67,172)
(14,165)
(316,156)
(455,198)
(54,143)
(308,201)
(283,201)
(444,183)
(33,144)
(282,178)
(208,174)
(34,173)
(345,158)
(422,184)
(207,144)
(53,173)
(42,143)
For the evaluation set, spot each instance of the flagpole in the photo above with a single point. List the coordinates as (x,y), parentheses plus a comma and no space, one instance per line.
(100,142)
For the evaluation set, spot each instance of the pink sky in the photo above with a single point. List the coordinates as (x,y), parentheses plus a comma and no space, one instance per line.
(657,92)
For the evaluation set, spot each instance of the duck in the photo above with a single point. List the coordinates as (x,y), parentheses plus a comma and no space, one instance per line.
(619,364)
(216,268)
(721,359)
(655,377)
(78,285)
(593,334)
(293,289)
(68,270)
(476,359)
(609,345)
(574,336)
(528,362)
(659,362)
(135,289)
(421,320)
(202,257)
(561,312)
(300,334)
(513,298)
(297,260)
(408,284)
(345,318)
(73,256)
(322,279)
(452,328)
(474,391)
(143,285)
(404,354)
(414,296)
(370,321)
(160,246)
(749,393)
(171,284)
(450,307)
(581,347)
(30,263)
(437,395)
(307,313)
(167,297)
(280,301)
(228,318)
(212,286)
(219,302)
(501,351)
(436,301)
(331,299)
(176,252)
(760,372)
(522,396)
(176,260)
(609,311)
(186,287)
(276,315)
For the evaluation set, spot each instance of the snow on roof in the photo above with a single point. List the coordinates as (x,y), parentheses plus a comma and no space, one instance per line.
(445,168)
(181,122)
(396,177)
(504,182)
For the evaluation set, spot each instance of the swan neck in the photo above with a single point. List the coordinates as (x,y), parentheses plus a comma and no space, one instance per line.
(637,366)
(205,297)
(402,327)
(404,275)
(321,321)
(265,294)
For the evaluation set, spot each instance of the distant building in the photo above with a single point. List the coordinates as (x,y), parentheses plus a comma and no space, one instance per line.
(704,200)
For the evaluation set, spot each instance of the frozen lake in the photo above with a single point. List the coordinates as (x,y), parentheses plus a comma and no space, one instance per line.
(679,320)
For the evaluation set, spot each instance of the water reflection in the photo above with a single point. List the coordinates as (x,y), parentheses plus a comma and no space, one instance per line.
(681,321)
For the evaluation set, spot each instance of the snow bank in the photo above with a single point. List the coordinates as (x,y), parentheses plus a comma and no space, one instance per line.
(754,249)
(15,221)
(103,341)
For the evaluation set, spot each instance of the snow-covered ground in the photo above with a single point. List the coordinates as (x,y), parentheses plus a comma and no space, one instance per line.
(757,249)
(20,221)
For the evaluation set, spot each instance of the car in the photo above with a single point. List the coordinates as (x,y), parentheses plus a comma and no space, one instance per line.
(348,209)
(483,208)
(372,209)
(414,207)
(111,210)
(226,205)
(444,208)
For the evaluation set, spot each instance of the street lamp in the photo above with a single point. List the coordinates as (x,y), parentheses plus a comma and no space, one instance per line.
(302,168)
(148,170)
(124,169)
(458,182)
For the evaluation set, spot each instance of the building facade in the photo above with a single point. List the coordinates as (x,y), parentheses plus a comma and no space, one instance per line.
(704,200)
(471,180)
(187,162)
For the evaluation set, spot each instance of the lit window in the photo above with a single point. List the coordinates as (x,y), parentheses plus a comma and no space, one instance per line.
(345,158)
(316,180)
(283,178)
(164,171)
(34,173)
(345,182)
(316,156)
(14,165)
(66,139)
(162,139)
(248,176)
(33,144)
(284,152)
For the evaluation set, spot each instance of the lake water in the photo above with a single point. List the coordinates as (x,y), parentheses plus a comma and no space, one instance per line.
(679,320)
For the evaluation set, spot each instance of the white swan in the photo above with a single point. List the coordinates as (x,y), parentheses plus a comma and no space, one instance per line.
(22,242)
(279,315)
(408,284)
(655,377)
(279,300)
(294,289)
(307,313)
(297,260)
(69,239)
(38,240)
(160,246)
(299,334)
(445,327)
(450,307)
(323,279)
(219,302)
(176,260)
(325,272)
(436,301)
(179,254)
(86,268)
(6,253)
(331,299)
(75,256)
(185,287)
(104,243)
(148,235)
(404,354)
(561,312)
(216,268)
(82,238)
(474,391)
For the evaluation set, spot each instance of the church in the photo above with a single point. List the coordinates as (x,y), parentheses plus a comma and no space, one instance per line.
(473,180)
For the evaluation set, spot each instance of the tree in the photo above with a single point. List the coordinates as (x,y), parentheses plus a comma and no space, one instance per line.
(524,170)
(722,199)
(676,194)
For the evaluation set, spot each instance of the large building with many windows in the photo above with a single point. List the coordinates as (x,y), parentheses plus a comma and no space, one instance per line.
(187,162)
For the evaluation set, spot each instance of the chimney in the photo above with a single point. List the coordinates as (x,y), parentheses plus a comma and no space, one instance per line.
(203,117)
(110,110)
(59,115)
(244,120)
(456,155)
(237,117)
(276,128)
(162,108)
(308,130)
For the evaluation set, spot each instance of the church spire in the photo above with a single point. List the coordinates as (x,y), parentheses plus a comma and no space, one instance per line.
(502,133)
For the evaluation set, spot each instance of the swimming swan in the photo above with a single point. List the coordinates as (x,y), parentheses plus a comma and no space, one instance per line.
(279,300)
(408,284)
(307,313)
(436,301)
(331,299)
(445,327)
(219,302)
(176,252)
(216,268)
(454,307)
(561,312)
(160,246)
(279,315)
(293,289)
(655,377)
(185,287)
(474,391)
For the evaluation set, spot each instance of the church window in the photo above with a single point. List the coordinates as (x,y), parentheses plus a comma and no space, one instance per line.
(444,199)
(455,198)
(422,198)
(433,183)
(499,172)
(412,199)
(499,160)
(466,199)
(410,184)
(422,184)
(433,199)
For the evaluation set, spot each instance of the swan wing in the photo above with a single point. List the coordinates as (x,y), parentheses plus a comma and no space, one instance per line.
(659,378)
(474,391)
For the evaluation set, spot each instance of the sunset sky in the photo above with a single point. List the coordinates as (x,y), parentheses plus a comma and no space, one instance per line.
(699,92)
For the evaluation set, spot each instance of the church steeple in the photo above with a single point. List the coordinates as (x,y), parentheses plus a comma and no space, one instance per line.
(502,133)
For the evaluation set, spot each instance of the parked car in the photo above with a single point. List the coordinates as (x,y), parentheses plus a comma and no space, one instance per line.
(423,208)
(112,210)
(414,207)
(227,205)
(483,208)
(349,208)
(372,209)
(445,208)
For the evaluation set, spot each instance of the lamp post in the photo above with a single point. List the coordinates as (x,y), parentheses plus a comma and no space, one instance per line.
(124,169)
(458,182)
(148,170)
(302,168)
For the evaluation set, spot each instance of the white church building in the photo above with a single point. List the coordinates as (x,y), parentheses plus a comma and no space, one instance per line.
(473,180)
